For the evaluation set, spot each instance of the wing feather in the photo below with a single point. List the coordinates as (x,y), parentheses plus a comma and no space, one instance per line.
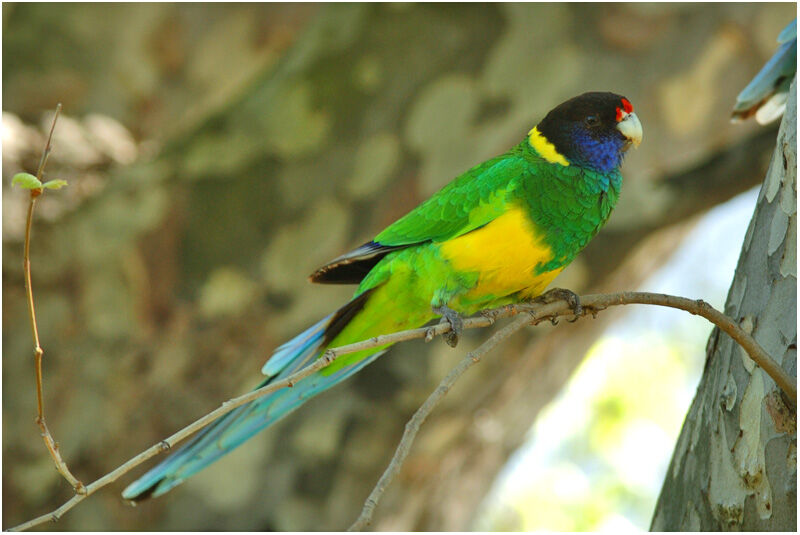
(470,201)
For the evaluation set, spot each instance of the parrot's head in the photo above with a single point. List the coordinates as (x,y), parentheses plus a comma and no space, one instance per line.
(592,130)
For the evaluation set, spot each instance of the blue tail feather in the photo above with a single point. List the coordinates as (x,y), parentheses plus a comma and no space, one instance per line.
(236,427)
(301,345)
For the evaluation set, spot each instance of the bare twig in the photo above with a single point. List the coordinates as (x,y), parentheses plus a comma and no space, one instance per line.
(49,145)
(591,304)
(38,352)
(327,358)
(699,307)
(413,425)
(536,311)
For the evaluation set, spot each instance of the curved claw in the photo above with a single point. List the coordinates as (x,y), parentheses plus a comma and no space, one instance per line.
(490,315)
(562,294)
(456,324)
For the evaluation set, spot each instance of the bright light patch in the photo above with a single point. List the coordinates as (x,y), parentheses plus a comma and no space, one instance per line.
(597,455)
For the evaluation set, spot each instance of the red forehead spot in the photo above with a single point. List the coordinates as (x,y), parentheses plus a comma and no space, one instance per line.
(619,115)
(626,104)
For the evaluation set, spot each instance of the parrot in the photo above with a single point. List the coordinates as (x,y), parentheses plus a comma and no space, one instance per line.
(495,235)
(765,96)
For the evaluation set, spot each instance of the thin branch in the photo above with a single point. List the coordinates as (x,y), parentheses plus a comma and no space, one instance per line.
(327,358)
(591,304)
(699,307)
(413,425)
(536,311)
(49,145)
(38,352)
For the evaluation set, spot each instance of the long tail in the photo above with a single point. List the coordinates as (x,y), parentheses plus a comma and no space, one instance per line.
(236,427)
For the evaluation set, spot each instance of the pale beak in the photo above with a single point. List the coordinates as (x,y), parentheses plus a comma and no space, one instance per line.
(631,128)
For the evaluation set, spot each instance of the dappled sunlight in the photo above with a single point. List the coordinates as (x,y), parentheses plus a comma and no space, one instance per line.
(218,154)
(597,454)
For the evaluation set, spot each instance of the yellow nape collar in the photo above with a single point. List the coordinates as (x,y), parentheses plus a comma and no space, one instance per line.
(545,149)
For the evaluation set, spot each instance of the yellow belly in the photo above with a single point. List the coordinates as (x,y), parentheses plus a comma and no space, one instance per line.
(505,254)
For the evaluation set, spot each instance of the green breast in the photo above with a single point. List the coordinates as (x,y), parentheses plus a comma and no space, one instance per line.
(569,205)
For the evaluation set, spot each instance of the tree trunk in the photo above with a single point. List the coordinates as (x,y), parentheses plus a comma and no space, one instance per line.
(290,134)
(735,463)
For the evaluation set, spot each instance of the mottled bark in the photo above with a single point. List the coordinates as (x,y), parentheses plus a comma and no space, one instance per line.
(735,463)
(268,140)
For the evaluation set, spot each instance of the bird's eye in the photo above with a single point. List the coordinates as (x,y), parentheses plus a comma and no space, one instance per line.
(592,121)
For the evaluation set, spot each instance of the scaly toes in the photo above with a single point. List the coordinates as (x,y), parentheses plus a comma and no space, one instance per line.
(562,294)
(456,324)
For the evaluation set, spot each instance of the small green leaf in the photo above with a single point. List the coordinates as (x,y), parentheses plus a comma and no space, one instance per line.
(26,180)
(54,184)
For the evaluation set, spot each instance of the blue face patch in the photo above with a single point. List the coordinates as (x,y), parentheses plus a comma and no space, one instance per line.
(602,154)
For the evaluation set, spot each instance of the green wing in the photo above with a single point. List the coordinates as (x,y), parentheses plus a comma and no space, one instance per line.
(468,202)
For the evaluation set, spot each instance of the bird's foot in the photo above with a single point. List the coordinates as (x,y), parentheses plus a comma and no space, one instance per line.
(456,324)
(562,294)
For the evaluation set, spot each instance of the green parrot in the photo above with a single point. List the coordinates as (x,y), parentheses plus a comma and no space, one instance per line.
(497,234)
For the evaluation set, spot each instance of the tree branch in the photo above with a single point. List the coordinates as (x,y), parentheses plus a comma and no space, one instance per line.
(535,312)
(594,303)
(413,425)
(38,352)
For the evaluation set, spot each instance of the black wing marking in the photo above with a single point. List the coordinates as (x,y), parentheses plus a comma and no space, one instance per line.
(350,268)
(343,316)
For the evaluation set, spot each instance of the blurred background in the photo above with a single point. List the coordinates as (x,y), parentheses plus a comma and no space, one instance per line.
(217,154)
